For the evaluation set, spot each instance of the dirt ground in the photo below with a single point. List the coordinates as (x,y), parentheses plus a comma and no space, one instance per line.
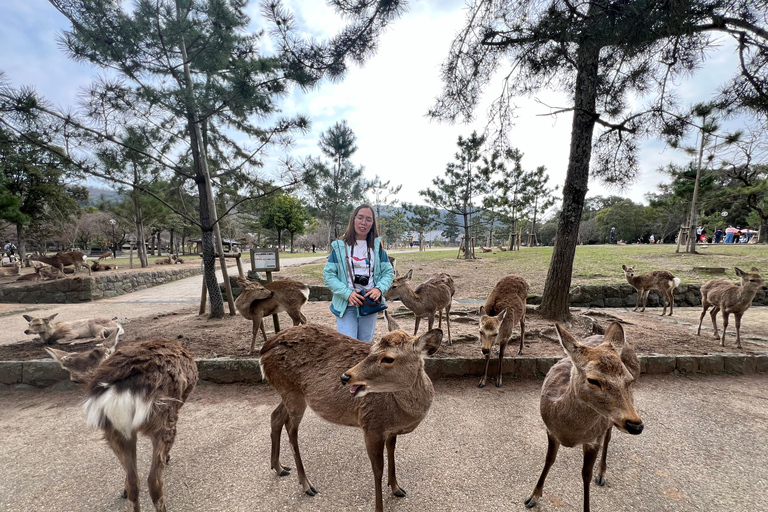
(230,336)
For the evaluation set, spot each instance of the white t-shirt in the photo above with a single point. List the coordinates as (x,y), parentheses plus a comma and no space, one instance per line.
(362,264)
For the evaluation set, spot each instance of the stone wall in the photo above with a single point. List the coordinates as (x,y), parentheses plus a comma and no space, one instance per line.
(85,288)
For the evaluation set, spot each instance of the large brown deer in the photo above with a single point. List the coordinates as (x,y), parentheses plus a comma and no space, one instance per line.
(432,296)
(259,301)
(136,388)
(729,298)
(381,388)
(503,310)
(660,280)
(584,396)
(64,259)
(51,331)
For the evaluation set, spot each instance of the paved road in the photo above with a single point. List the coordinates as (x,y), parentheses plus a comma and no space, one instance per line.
(167,298)
(703,449)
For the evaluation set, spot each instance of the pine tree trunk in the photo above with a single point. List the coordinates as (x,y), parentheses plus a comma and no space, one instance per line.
(554,301)
(467,244)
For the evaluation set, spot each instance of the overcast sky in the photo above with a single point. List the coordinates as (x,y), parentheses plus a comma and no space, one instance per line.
(384,102)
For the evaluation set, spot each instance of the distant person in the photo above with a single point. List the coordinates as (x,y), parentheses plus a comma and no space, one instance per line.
(313,247)
(410,242)
(651,239)
(613,235)
(729,231)
(10,250)
(718,235)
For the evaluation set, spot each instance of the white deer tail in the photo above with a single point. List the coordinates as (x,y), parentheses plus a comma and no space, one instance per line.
(677,282)
(125,410)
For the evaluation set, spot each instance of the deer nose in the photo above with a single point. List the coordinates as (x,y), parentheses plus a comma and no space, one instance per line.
(634,428)
(485,351)
(344,379)
(27,332)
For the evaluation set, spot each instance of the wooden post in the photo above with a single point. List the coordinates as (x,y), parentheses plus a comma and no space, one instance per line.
(275,319)
(239,265)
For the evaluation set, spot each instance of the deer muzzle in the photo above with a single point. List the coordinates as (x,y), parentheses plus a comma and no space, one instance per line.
(344,379)
(633,428)
(485,351)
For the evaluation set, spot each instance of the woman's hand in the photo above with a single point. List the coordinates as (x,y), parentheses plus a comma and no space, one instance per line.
(355,299)
(374,294)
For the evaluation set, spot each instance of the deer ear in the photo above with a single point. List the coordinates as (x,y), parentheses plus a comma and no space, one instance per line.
(111,342)
(614,336)
(624,267)
(501,316)
(738,271)
(754,269)
(569,343)
(51,317)
(482,312)
(57,355)
(427,344)
(409,275)
(27,318)
(391,323)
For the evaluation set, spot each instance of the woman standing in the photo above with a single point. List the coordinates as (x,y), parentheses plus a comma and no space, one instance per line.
(358,269)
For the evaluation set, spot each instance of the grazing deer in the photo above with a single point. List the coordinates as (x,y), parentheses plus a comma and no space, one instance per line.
(584,396)
(660,280)
(136,388)
(730,298)
(13,270)
(100,267)
(388,392)
(105,255)
(503,310)
(51,332)
(257,301)
(64,259)
(432,296)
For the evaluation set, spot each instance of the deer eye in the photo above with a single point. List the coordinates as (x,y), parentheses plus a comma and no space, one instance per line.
(387,360)
(595,383)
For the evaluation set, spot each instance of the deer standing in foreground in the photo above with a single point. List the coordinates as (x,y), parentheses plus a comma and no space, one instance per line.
(729,298)
(258,301)
(503,309)
(136,388)
(51,332)
(660,280)
(584,396)
(381,388)
(432,296)
(65,259)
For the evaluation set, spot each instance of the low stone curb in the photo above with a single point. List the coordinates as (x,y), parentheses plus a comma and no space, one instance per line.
(46,372)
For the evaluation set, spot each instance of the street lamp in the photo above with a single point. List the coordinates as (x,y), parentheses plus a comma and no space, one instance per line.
(114,242)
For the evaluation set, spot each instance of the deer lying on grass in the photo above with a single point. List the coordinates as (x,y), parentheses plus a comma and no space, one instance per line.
(101,267)
(432,296)
(13,270)
(387,394)
(660,280)
(136,388)
(65,259)
(729,298)
(486,249)
(51,332)
(584,396)
(257,302)
(502,249)
(503,309)
(105,255)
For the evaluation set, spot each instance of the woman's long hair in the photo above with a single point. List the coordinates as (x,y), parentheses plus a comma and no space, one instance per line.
(350,237)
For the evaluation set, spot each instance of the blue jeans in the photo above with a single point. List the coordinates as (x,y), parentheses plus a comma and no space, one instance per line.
(357,327)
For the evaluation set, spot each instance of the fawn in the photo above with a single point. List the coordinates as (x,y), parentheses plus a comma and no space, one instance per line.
(584,396)
(51,332)
(432,296)
(135,388)
(660,280)
(387,392)
(503,309)
(723,295)
(257,301)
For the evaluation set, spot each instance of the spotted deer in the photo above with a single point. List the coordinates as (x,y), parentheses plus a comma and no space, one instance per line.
(381,388)
(729,298)
(51,331)
(584,396)
(135,388)
(660,280)
(258,301)
(503,310)
(432,296)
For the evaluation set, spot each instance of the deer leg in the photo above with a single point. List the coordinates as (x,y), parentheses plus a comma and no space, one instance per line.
(664,300)
(502,348)
(713,315)
(552,446)
(295,414)
(590,456)
(375,446)
(671,293)
(155,478)
(279,418)
(392,481)
(737,317)
(125,449)
(725,326)
(430,320)
(485,373)
(639,298)
(645,299)
(416,327)
(257,323)
(705,307)
(600,478)
(448,322)
(522,336)
(440,319)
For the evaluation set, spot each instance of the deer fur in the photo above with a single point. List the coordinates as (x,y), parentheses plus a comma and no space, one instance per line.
(64,259)
(503,310)
(584,396)
(101,267)
(51,273)
(486,249)
(51,332)
(502,249)
(432,296)
(105,255)
(34,276)
(660,280)
(135,388)
(259,301)
(13,270)
(729,298)
(381,388)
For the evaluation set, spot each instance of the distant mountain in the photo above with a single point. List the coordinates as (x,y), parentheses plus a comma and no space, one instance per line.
(97,194)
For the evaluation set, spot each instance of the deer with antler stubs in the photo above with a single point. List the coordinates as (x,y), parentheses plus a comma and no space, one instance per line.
(432,296)
(503,310)
(381,388)
(135,388)
(660,280)
(584,396)
(729,298)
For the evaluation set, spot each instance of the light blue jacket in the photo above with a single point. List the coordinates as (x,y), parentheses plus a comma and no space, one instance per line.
(335,275)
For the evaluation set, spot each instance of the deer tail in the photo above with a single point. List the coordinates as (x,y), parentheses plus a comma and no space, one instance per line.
(125,410)
(677,282)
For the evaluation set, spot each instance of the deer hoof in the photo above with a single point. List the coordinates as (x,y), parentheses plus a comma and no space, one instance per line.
(498,384)
(284,471)
(481,385)
(399,492)
(125,494)
(167,459)
(600,481)
(530,502)
(312,491)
